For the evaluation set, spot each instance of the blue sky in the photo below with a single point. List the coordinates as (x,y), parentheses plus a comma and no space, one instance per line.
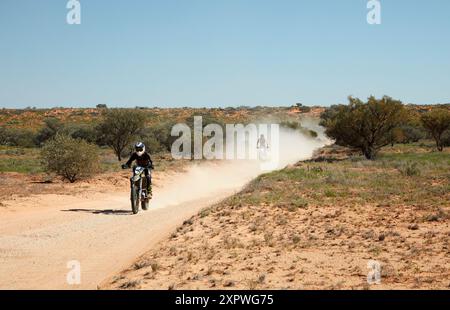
(222,52)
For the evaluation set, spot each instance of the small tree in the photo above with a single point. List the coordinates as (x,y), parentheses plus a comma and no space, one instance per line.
(119,127)
(70,158)
(436,122)
(366,126)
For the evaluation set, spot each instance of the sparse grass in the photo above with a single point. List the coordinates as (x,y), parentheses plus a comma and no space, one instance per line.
(132,284)
(231,242)
(22,160)
(269,239)
(409,169)
(296,239)
(394,178)
(305,218)
(141,264)
(154,265)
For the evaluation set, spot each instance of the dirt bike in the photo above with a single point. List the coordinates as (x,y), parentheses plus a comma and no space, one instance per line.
(263,153)
(138,192)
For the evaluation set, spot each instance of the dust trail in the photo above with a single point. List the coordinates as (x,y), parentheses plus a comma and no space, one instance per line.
(216,177)
(100,233)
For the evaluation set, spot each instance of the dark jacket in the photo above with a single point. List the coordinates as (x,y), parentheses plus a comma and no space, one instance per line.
(143,161)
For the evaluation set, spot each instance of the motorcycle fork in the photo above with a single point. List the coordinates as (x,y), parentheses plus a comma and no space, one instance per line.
(140,189)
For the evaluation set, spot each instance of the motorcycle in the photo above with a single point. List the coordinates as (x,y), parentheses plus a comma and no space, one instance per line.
(264,153)
(138,190)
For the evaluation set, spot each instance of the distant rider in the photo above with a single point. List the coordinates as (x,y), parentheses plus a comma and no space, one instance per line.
(262,147)
(144,160)
(261,144)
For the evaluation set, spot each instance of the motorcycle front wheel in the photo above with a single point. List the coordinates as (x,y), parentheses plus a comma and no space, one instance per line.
(134,200)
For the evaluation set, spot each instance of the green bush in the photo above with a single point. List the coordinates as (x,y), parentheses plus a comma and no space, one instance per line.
(446,138)
(367,125)
(70,158)
(81,131)
(150,139)
(413,133)
(17,137)
(436,122)
(51,127)
(158,137)
(291,125)
(119,129)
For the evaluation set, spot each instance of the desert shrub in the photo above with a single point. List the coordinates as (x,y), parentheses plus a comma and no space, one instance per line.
(152,144)
(302,108)
(119,128)
(160,134)
(3,136)
(408,168)
(17,137)
(207,119)
(407,134)
(70,158)
(290,124)
(445,139)
(436,122)
(51,127)
(81,131)
(412,133)
(367,125)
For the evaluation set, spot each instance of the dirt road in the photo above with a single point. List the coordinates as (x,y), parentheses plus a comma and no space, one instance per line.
(40,234)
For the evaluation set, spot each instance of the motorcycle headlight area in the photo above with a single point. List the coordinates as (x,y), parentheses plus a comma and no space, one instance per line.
(137,173)
(136,177)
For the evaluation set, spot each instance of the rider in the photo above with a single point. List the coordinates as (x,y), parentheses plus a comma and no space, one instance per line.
(261,144)
(262,147)
(143,159)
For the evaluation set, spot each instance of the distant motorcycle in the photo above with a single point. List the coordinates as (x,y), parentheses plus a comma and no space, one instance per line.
(263,153)
(138,191)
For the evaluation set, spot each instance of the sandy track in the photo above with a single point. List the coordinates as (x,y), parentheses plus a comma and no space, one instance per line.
(40,234)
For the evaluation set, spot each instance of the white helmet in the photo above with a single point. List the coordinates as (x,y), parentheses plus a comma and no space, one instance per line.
(139,148)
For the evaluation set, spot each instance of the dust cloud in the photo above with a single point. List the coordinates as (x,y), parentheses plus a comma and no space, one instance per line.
(225,177)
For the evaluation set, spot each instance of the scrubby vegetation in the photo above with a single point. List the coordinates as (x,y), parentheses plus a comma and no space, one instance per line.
(119,128)
(26,131)
(437,122)
(315,226)
(17,137)
(369,126)
(70,158)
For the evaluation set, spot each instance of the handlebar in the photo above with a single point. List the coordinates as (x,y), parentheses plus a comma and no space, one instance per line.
(124,166)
